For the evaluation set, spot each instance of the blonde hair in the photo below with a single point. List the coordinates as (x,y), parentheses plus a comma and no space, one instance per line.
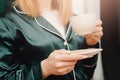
(32,8)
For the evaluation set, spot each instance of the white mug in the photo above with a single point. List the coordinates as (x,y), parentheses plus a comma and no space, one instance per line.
(83,24)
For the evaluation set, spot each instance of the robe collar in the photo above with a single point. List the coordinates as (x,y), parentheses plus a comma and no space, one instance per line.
(42,22)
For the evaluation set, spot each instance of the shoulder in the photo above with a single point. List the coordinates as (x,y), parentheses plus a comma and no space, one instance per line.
(11,20)
(14,24)
(7,27)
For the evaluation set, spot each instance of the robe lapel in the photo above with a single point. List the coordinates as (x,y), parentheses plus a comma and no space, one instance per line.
(50,28)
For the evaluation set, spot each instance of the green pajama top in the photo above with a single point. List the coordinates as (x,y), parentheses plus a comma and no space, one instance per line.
(24,44)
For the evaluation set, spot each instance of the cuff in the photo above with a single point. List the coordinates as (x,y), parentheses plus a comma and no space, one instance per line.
(37,71)
(90,62)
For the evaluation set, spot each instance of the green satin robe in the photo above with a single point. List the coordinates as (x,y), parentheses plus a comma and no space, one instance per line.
(24,44)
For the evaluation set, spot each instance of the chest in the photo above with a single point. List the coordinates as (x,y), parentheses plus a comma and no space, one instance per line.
(38,41)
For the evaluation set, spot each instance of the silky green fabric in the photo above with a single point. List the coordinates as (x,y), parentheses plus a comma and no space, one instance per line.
(2,6)
(5,5)
(24,44)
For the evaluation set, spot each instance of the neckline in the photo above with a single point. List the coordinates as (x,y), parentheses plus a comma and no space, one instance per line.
(49,26)
(41,21)
(54,19)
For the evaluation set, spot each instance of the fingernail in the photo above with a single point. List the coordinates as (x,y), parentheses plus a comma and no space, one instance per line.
(85,56)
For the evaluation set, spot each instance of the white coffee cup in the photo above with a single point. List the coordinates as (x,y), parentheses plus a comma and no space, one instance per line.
(83,24)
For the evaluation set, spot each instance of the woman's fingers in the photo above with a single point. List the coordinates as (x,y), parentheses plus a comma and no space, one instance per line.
(65,55)
(99,23)
(64,70)
(98,33)
(98,29)
(62,64)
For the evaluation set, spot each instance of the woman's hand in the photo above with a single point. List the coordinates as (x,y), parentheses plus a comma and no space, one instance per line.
(59,62)
(95,36)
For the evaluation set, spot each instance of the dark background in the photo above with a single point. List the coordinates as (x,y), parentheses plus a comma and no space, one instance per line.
(110,15)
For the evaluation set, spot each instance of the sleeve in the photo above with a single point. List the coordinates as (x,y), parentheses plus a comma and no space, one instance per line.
(89,64)
(11,69)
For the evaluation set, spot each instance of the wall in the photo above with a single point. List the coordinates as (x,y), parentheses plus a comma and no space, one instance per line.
(110,40)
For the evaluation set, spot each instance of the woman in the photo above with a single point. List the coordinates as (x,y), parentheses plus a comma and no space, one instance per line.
(36,39)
